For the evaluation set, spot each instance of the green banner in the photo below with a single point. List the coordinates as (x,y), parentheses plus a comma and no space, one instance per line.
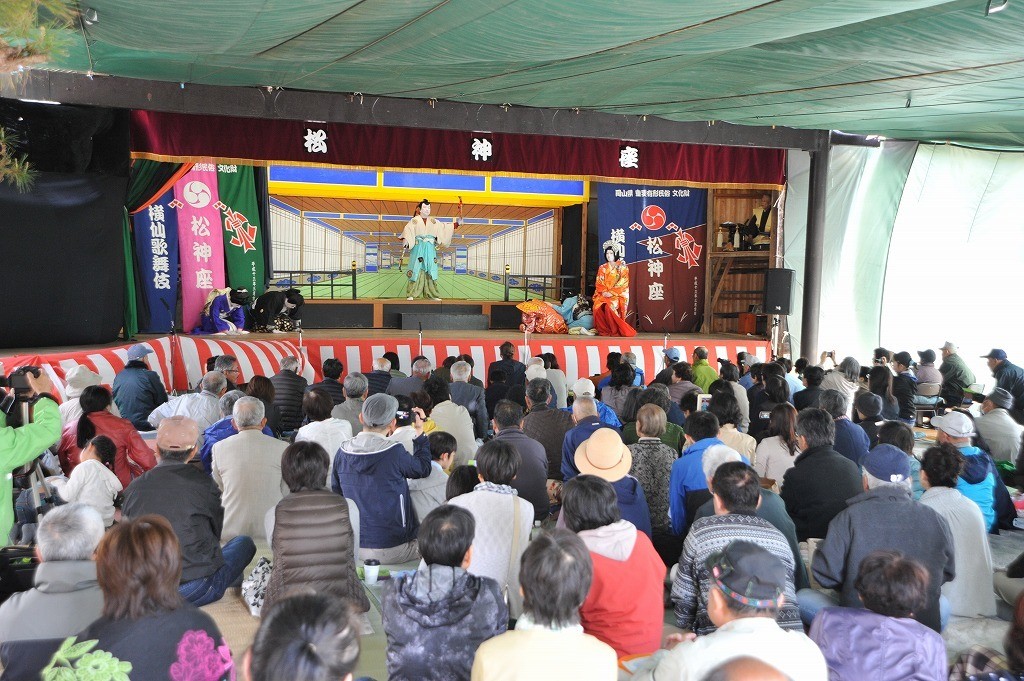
(243,243)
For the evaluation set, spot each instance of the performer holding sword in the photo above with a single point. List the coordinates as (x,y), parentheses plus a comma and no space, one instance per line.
(422,235)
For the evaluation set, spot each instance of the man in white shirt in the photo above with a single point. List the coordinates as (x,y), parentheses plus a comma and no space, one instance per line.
(1001,432)
(202,407)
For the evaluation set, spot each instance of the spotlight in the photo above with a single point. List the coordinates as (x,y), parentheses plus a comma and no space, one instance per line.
(994,6)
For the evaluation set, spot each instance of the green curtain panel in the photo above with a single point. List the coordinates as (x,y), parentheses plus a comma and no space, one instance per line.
(243,238)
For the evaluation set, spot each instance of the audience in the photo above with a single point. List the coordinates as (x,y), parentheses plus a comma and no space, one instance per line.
(747,590)
(496,391)
(652,466)
(322,428)
(956,377)
(503,520)
(619,387)
(585,388)
(730,373)
(970,592)
(93,481)
(228,365)
(605,455)
(548,642)
(904,387)
(1001,432)
(288,390)
(981,662)
(515,371)
(1009,377)
(222,429)
(138,390)
(868,410)
(821,480)
(396,367)
(77,380)
(355,388)
(844,379)
(703,373)
(462,481)
(882,517)
(313,541)
(877,638)
(379,377)
(809,396)
(880,383)
(629,620)
(452,418)
(978,480)
(736,492)
(332,370)
(850,440)
(724,406)
(531,479)
(776,392)
(669,357)
(682,381)
(546,425)
(371,470)
(687,474)
(611,360)
(673,435)
(777,452)
(469,396)
(556,377)
(408,385)
(436,617)
(262,388)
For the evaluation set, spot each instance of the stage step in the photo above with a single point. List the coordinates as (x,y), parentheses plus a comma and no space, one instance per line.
(442,321)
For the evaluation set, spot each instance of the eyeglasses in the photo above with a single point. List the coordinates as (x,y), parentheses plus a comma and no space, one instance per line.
(232,371)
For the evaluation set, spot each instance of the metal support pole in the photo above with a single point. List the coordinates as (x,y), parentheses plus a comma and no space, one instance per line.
(353,280)
(814,252)
(508,269)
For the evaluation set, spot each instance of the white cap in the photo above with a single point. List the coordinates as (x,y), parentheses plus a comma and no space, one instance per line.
(535,371)
(584,387)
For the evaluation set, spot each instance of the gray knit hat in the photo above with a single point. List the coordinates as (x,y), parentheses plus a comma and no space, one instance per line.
(379,410)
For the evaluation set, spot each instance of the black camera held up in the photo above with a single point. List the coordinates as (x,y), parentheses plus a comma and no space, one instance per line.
(16,395)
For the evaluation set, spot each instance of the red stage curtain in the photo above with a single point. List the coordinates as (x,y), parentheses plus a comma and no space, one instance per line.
(187,137)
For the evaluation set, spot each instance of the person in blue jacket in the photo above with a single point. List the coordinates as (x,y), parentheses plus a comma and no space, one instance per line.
(978,479)
(687,474)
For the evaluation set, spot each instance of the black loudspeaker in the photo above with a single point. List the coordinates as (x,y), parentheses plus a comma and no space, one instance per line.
(778,291)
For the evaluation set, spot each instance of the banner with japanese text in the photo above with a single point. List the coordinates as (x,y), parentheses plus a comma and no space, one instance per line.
(243,243)
(200,241)
(156,244)
(662,231)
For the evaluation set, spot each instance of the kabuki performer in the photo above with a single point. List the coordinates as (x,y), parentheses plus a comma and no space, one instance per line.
(224,312)
(611,295)
(277,311)
(422,235)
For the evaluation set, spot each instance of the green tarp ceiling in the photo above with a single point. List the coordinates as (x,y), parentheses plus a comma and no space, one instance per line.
(914,69)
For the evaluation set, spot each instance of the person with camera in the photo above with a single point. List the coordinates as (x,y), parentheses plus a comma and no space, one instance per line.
(21,445)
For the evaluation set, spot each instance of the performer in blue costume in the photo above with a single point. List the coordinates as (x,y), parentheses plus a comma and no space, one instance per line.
(422,235)
(224,312)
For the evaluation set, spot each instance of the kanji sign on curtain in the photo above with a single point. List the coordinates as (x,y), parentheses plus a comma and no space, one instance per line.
(662,230)
(243,243)
(201,244)
(156,244)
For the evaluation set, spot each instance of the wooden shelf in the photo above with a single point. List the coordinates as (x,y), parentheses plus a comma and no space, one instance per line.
(762,255)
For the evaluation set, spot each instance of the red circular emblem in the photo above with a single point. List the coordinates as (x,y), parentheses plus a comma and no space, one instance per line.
(653,217)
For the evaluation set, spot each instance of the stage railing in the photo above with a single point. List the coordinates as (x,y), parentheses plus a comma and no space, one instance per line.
(318,285)
(538,286)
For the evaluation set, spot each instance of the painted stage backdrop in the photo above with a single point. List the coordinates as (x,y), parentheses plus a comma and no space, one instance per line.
(663,232)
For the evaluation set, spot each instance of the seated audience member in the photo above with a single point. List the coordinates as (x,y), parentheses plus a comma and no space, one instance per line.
(504,519)
(956,377)
(452,418)
(396,364)
(546,425)
(322,428)
(809,396)
(190,500)
(904,387)
(776,453)
(970,592)
(515,371)
(618,388)
(469,396)
(1002,434)
(228,365)
(262,388)
(247,468)
(556,377)
(405,431)
(332,370)
(313,542)
(93,481)
(730,373)
(652,466)
(630,359)
(305,637)
(868,408)
(603,454)
(531,479)
(978,479)
(436,617)
(792,379)
(631,620)
(496,391)
(585,388)
(845,378)
(380,377)
(747,587)
(872,640)
(146,629)
(611,360)
(137,389)
(629,406)
(687,474)
(549,642)
(222,429)
(428,493)
(682,381)
(776,392)
(727,409)
(408,385)
(755,391)
(288,390)
(883,517)
(816,488)
(880,384)
(77,380)
(462,481)
(736,492)
(674,436)
(851,441)
(901,436)
(669,358)
(201,407)
(65,597)
(703,373)
(354,386)
(371,470)
(131,450)
(584,414)
(981,662)
(926,371)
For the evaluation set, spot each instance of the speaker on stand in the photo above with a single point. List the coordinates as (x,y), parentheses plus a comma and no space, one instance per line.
(778,291)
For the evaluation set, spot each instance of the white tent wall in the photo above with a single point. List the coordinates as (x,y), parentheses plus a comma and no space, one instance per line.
(865,185)
(957,256)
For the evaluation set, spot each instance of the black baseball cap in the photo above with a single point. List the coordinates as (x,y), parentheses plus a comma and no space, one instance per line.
(748,574)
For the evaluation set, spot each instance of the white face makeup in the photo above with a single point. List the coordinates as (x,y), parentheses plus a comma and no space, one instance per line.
(425,210)
(609,256)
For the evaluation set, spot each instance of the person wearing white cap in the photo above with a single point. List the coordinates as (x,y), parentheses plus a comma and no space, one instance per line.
(584,387)
(137,389)
(978,479)
(77,380)
(956,377)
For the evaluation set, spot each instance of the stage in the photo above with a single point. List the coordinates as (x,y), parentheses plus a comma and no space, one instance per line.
(180,360)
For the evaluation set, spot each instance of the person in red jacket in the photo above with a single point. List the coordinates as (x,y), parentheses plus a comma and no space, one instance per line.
(133,457)
(625,606)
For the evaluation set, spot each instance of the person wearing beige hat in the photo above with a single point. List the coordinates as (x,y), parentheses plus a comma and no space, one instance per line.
(605,455)
(77,380)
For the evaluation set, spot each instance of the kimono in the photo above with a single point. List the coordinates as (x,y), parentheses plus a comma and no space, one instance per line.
(269,313)
(219,317)
(610,312)
(422,237)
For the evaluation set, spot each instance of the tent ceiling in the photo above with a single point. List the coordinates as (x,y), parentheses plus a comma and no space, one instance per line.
(917,69)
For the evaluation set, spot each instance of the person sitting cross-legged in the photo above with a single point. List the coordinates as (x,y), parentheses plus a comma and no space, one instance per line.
(531,479)
(736,490)
(747,589)
(979,479)
(851,440)
(687,487)
(202,407)
(652,466)
(891,588)
(549,642)
(441,607)
(631,620)
(355,387)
